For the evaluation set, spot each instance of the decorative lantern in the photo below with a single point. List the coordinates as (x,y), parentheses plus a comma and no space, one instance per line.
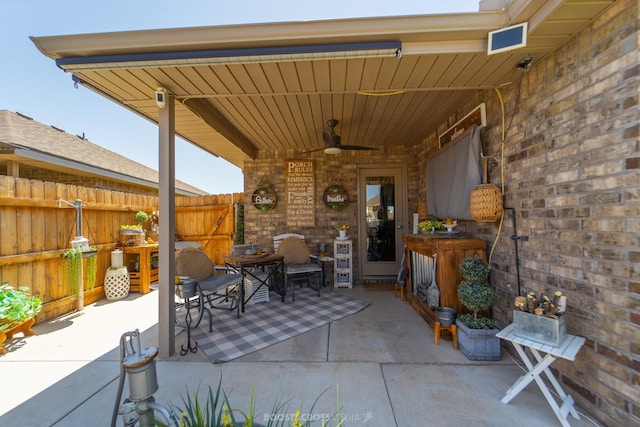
(486,200)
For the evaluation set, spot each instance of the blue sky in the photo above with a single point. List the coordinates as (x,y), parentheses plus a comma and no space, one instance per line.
(31,84)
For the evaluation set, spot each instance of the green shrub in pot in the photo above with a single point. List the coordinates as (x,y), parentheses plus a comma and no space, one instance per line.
(476,334)
(474,292)
(16,306)
(141,216)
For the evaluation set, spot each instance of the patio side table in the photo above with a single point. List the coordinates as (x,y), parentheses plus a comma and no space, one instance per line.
(251,266)
(568,350)
(116,283)
(323,260)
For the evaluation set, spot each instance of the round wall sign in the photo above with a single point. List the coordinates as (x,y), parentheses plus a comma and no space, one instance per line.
(335,197)
(264,199)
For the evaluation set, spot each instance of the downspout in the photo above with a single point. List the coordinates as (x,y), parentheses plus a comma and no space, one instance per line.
(515,239)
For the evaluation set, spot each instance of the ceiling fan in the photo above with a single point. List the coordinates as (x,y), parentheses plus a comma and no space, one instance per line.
(332,141)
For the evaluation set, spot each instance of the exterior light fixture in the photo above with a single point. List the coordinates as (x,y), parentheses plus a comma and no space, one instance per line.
(332,150)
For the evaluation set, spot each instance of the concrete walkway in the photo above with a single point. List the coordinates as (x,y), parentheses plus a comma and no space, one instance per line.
(382,362)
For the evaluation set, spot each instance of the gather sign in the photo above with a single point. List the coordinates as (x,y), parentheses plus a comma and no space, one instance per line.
(300,193)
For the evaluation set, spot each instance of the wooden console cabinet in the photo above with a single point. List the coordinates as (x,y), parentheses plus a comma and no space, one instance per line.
(450,253)
(142,279)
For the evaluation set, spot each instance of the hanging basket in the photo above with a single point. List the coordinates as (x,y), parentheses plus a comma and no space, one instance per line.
(486,203)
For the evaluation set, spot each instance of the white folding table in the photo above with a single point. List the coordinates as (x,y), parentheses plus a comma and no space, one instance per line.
(567,350)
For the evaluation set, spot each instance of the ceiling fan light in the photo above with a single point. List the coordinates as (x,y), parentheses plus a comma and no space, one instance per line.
(332,150)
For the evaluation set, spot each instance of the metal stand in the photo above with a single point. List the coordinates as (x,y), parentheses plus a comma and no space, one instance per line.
(190,291)
(189,347)
(140,364)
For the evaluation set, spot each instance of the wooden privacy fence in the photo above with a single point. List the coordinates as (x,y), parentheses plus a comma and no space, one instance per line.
(209,220)
(37,225)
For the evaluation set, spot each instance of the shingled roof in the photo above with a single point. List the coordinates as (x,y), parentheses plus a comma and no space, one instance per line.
(38,145)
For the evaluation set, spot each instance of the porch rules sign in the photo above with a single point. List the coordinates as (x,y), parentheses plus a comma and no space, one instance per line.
(300,193)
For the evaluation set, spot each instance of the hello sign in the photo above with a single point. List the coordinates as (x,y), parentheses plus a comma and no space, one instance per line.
(335,197)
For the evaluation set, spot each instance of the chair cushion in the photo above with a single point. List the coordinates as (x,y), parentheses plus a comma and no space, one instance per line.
(303,268)
(194,263)
(220,282)
(294,251)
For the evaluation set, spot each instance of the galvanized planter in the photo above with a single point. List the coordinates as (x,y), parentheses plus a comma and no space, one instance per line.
(541,329)
(478,344)
(446,316)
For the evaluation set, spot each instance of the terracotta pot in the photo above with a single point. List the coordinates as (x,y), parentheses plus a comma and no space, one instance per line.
(24,327)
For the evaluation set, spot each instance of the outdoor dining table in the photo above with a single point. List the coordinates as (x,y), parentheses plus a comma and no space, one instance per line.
(249,266)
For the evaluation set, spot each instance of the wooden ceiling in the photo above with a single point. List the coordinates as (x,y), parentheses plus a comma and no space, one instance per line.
(236,110)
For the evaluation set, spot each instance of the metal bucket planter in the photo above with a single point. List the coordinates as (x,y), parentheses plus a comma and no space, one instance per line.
(544,330)
(132,237)
(478,344)
(446,316)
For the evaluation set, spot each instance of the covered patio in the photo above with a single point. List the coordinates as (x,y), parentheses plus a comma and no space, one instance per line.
(561,134)
(243,91)
(388,374)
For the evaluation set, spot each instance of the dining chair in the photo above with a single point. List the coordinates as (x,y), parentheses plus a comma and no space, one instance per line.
(218,284)
(298,265)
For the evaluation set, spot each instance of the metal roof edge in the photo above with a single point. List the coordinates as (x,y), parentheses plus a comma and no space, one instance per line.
(264,33)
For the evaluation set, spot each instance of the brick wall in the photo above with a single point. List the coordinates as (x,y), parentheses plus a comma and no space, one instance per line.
(269,170)
(572,177)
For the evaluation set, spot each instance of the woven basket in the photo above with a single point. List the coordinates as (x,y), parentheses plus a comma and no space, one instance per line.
(486,203)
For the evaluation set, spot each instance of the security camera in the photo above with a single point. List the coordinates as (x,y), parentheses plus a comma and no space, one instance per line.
(161,97)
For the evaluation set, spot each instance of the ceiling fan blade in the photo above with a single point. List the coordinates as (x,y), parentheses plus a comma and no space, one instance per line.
(332,141)
(316,149)
(329,137)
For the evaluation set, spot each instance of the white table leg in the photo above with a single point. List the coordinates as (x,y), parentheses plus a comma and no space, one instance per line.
(534,374)
(531,375)
(567,401)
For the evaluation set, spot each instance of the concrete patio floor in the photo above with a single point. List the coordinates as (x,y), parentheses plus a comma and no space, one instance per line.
(381,361)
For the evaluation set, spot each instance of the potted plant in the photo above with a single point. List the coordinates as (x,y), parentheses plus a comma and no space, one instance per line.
(342,230)
(429,226)
(134,234)
(141,216)
(154,260)
(476,334)
(17,311)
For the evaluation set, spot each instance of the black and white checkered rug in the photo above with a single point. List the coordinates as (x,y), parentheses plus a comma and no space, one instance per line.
(267,323)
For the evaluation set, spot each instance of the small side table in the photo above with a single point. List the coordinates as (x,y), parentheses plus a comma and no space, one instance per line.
(568,350)
(323,260)
(116,283)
